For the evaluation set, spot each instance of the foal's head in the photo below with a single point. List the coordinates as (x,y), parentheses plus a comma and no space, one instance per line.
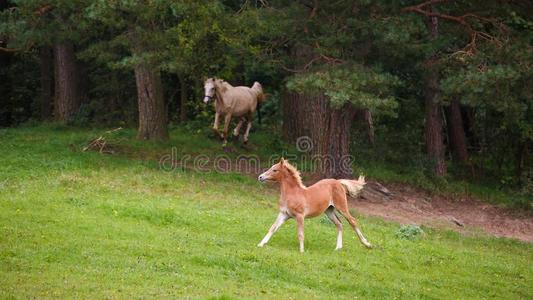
(280,171)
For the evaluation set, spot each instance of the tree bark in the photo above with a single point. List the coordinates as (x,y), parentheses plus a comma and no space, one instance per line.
(47,82)
(521,160)
(320,130)
(366,117)
(456,132)
(183,98)
(152,108)
(337,142)
(67,94)
(434,123)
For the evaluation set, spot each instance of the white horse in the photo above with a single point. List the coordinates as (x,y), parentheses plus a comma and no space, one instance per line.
(230,101)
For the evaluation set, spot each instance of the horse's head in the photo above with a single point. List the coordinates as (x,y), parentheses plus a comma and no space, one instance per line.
(209,89)
(282,171)
(275,173)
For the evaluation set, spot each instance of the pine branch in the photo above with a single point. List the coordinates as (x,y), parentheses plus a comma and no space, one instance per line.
(462,20)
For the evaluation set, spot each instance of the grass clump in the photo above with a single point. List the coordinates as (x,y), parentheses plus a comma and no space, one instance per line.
(410,232)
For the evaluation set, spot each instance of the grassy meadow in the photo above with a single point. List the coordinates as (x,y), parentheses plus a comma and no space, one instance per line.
(77,224)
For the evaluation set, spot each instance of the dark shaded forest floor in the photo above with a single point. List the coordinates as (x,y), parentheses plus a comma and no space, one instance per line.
(467,215)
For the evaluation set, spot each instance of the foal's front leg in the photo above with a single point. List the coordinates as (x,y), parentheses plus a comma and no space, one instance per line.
(282,217)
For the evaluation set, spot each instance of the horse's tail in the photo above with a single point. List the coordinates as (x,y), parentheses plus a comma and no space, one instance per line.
(353,187)
(259,112)
(261,97)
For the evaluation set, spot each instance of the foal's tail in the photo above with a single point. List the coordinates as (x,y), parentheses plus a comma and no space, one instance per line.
(353,187)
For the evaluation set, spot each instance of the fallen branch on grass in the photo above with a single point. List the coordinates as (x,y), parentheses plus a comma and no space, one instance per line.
(375,191)
(100,144)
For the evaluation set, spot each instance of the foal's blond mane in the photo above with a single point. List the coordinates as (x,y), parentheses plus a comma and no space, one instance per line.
(294,173)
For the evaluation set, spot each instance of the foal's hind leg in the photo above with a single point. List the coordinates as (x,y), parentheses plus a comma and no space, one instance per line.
(352,222)
(341,204)
(330,212)
(300,224)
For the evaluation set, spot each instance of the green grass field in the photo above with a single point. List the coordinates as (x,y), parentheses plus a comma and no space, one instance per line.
(79,224)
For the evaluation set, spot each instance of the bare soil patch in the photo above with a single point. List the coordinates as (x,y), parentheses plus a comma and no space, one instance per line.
(409,205)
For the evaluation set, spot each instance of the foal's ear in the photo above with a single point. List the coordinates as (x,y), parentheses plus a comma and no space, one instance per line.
(282,161)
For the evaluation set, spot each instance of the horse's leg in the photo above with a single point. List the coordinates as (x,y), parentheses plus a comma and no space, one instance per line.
(280,220)
(238,127)
(247,132)
(300,223)
(227,120)
(341,204)
(352,222)
(330,212)
(215,124)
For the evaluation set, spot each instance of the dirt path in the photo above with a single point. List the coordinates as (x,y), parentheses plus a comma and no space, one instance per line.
(466,215)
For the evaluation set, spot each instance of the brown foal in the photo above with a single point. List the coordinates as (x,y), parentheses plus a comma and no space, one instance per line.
(299,202)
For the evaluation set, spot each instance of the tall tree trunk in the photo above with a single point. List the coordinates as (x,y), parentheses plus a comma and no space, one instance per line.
(521,160)
(183,98)
(433,134)
(67,94)
(456,132)
(152,108)
(322,131)
(337,141)
(433,126)
(310,118)
(366,117)
(47,82)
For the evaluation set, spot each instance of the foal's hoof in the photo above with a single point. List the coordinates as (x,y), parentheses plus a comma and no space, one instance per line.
(260,245)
